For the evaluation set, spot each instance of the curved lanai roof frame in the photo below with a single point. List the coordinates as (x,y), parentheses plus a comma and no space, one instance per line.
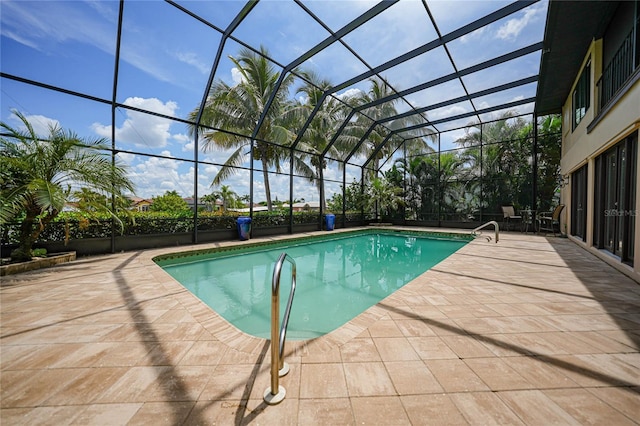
(441,41)
(446,64)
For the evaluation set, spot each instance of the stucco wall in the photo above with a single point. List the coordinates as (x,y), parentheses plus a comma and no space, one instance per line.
(582,145)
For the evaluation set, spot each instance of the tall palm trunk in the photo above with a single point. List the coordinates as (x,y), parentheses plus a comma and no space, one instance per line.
(320,185)
(267,187)
(30,230)
(23,252)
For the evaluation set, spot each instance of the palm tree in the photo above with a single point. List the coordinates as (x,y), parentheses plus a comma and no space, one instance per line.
(227,196)
(506,160)
(38,177)
(210,201)
(452,182)
(384,196)
(91,201)
(373,144)
(323,126)
(421,181)
(549,150)
(235,111)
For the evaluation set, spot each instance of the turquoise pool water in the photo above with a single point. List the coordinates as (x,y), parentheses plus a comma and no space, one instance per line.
(337,278)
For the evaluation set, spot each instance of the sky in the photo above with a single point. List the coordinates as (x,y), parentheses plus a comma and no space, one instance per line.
(166,58)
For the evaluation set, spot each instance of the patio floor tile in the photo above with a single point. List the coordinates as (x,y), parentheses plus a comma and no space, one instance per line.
(323,381)
(335,411)
(412,378)
(455,376)
(435,409)
(368,379)
(368,410)
(534,407)
(531,330)
(587,408)
(359,350)
(162,413)
(484,408)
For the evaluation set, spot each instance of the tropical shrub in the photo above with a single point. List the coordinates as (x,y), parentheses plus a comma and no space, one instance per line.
(38,176)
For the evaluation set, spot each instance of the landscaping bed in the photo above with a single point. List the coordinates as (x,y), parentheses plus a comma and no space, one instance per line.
(36,263)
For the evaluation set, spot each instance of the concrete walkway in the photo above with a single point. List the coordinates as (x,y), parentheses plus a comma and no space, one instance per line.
(531,330)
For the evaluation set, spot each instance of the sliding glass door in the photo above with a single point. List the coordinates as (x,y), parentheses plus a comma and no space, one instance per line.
(615,189)
(579,203)
(611,200)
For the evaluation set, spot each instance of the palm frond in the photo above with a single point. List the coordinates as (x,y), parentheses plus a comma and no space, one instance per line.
(230,166)
(48,196)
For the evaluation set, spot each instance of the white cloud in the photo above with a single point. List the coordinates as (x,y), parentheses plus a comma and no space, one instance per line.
(142,129)
(52,23)
(18,38)
(40,123)
(473,35)
(53,26)
(446,112)
(218,155)
(154,176)
(238,182)
(447,139)
(349,93)
(400,28)
(184,140)
(191,58)
(126,157)
(209,169)
(107,12)
(513,27)
(236,76)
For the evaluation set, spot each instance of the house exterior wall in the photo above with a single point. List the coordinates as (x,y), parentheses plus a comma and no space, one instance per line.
(595,134)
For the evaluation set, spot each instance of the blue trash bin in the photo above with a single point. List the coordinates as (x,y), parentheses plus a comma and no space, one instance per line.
(244,228)
(331,221)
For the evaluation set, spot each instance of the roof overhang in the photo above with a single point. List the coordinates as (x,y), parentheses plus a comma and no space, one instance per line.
(570,29)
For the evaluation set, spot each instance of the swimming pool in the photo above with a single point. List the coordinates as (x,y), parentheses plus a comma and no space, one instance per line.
(338,277)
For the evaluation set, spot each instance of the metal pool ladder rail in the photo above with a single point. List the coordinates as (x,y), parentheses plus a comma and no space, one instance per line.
(491,222)
(276,393)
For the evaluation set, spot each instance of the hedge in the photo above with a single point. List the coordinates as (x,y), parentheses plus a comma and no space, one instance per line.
(77,225)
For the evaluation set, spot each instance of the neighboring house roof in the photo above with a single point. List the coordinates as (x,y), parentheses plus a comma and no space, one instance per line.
(189,200)
(137,203)
(138,200)
(303,205)
(247,209)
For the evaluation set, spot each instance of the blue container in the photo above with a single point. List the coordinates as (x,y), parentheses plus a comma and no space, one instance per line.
(331,221)
(244,228)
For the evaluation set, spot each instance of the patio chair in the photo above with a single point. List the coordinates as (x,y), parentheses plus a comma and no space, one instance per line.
(509,216)
(550,221)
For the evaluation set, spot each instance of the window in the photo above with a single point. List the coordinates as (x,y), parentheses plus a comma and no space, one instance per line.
(581,95)
(615,200)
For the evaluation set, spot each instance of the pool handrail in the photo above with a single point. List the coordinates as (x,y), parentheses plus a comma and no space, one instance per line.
(491,222)
(276,393)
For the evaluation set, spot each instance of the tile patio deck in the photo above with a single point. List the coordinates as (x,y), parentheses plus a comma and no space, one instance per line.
(531,330)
